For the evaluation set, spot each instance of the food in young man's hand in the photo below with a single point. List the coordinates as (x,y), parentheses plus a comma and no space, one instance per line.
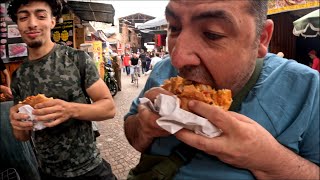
(187,90)
(33,100)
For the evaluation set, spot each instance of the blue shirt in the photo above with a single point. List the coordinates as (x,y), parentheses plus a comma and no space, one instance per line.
(285,101)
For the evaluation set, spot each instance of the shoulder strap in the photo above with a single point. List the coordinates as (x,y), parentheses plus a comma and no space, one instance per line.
(238,98)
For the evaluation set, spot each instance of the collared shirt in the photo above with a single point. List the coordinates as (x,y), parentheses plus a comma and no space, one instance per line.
(285,101)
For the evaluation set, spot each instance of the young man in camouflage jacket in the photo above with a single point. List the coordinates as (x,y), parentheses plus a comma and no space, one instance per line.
(66,148)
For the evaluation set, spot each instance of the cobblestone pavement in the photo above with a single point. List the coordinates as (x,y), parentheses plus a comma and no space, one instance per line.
(112,143)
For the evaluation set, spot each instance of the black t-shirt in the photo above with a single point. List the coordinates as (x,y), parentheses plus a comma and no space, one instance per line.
(143,57)
(2,68)
(134,61)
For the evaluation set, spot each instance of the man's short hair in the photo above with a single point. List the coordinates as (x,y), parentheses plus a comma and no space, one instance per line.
(259,9)
(55,5)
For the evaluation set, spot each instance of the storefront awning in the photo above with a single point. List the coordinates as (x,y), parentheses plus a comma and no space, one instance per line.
(89,11)
(153,23)
(100,35)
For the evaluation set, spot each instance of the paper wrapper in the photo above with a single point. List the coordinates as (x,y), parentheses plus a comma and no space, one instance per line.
(27,109)
(173,118)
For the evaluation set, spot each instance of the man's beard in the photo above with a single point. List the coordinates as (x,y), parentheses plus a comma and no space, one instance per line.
(35,44)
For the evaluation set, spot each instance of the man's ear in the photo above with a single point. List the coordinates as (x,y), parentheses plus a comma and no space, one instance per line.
(53,22)
(265,38)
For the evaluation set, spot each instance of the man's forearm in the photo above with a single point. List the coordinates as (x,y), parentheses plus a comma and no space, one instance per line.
(134,135)
(8,78)
(98,111)
(289,165)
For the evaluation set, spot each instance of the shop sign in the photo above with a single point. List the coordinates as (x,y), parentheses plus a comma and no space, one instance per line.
(97,53)
(97,50)
(62,33)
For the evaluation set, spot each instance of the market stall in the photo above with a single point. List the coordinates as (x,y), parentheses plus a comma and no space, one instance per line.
(284,13)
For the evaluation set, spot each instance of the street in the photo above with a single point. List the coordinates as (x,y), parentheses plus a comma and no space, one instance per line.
(112,142)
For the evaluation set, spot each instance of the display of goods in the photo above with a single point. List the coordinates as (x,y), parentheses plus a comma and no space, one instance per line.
(17,49)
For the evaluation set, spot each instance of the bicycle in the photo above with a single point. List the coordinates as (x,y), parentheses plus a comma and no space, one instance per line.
(136,76)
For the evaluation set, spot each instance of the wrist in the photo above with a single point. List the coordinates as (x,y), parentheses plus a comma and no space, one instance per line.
(73,111)
(276,166)
(143,140)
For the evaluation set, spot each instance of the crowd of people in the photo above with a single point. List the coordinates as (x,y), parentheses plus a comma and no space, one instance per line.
(270,132)
(143,62)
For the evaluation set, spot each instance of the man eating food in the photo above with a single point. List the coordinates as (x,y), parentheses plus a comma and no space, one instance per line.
(272,128)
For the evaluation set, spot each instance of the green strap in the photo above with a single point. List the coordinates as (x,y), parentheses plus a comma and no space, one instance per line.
(238,98)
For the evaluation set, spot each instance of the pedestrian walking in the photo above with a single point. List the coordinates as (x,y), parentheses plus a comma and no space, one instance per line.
(126,63)
(143,59)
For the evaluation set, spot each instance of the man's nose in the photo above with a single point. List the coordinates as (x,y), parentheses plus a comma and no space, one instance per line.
(184,50)
(33,22)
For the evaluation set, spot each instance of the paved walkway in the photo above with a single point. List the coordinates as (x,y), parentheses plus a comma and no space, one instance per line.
(112,143)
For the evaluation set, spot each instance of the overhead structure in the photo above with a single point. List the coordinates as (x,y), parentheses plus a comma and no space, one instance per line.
(154,26)
(92,11)
(308,25)
(133,20)
(136,18)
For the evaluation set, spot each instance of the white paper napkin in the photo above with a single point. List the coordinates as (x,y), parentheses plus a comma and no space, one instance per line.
(27,109)
(173,118)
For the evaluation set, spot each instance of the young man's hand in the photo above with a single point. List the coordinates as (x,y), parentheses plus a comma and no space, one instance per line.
(6,91)
(17,119)
(52,112)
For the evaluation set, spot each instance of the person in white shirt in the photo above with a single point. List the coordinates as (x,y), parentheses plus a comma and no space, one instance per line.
(154,60)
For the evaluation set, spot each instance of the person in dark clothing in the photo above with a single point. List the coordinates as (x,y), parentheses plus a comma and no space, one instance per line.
(148,60)
(66,149)
(134,61)
(142,57)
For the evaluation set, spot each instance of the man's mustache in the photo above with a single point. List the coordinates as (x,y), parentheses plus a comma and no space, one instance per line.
(196,73)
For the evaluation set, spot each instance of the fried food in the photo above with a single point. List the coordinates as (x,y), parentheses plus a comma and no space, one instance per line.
(33,100)
(187,90)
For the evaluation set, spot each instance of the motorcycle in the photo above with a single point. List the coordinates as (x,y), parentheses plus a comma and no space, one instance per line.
(110,80)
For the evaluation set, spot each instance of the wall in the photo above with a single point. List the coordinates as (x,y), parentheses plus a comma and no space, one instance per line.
(283,40)
(79,37)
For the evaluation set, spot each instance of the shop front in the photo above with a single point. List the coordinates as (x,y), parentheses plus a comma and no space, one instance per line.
(284,13)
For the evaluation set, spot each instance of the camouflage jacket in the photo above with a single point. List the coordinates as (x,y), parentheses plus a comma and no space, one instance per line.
(68,149)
